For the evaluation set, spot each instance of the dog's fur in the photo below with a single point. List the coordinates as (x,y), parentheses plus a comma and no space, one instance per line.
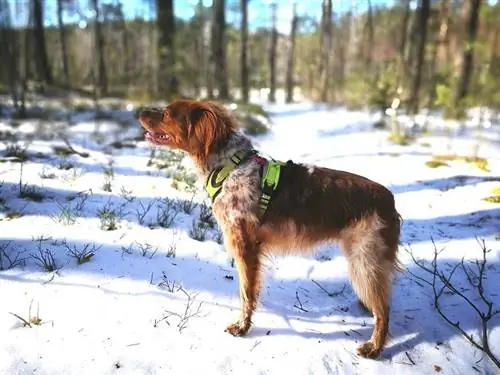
(313,206)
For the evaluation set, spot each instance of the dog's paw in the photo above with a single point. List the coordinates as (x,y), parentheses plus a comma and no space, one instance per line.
(368,350)
(239,328)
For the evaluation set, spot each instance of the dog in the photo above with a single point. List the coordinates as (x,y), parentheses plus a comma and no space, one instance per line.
(311,206)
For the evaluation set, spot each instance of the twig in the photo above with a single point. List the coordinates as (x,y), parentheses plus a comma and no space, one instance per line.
(409,358)
(330,294)
(299,306)
(189,312)
(72,149)
(255,345)
(26,323)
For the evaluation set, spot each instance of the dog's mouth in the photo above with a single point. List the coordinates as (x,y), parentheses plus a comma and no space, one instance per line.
(158,138)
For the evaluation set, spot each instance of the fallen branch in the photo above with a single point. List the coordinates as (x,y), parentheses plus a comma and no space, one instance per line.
(299,306)
(330,294)
(476,281)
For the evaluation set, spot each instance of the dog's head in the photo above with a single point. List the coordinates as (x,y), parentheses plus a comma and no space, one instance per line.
(197,127)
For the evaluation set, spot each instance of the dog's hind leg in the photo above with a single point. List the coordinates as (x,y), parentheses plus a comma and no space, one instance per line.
(371,269)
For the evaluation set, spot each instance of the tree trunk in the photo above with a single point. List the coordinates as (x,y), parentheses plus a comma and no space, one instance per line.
(423,19)
(440,42)
(244,49)
(219,49)
(126,47)
(167,84)
(272,54)
(10,43)
(43,67)
(64,48)
(291,56)
(471,20)
(102,77)
(326,47)
(494,63)
(407,43)
(371,35)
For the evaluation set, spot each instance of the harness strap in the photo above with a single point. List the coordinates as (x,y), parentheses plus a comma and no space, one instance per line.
(269,182)
(215,179)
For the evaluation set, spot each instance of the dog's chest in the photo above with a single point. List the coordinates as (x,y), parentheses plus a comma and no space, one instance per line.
(239,195)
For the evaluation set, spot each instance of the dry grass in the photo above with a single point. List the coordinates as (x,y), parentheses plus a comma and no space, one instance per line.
(477,161)
(495,197)
(435,164)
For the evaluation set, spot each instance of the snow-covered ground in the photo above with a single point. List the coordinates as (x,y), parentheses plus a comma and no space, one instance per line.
(156,288)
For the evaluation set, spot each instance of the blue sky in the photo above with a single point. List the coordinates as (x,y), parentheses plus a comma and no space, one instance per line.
(259,14)
(258,9)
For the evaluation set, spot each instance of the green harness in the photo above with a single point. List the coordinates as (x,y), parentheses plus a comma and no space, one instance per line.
(269,182)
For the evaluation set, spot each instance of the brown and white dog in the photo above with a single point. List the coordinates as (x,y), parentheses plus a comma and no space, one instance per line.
(313,206)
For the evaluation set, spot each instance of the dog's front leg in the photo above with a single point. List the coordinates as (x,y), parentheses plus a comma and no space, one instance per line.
(246,253)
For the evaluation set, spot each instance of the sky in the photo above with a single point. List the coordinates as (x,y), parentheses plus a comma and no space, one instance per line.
(259,10)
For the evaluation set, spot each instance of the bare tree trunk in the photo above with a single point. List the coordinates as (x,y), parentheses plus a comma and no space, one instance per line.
(126,47)
(102,77)
(291,56)
(199,49)
(43,67)
(64,48)
(8,39)
(471,19)
(494,63)
(244,49)
(423,19)
(443,54)
(219,49)
(439,42)
(326,47)
(407,46)
(272,54)
(352,46)
(26,69)
(371,35)
(167,79)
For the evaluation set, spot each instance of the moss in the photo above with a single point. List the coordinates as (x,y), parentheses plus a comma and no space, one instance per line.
(401,140)
(495,197)
(435,164)
(479,162)
(492,199)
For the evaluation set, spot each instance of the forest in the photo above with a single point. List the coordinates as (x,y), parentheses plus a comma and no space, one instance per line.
(428,54)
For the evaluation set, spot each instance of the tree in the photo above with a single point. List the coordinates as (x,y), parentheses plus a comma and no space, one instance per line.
(272,53)
(42,61)
(243,54)
(471,19)
(219,49)
(102,75)
(325,47)
(167,84)
(423,19)
(64,48)
(290,81)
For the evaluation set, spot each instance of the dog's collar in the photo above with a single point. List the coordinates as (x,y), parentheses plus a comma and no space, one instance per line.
(269,181)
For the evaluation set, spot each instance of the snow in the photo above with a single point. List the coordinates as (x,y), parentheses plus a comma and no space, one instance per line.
(105,315)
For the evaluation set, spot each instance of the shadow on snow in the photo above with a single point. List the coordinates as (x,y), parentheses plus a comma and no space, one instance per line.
(413,319)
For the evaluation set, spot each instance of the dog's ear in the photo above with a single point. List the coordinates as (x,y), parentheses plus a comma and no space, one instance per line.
(202,129)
